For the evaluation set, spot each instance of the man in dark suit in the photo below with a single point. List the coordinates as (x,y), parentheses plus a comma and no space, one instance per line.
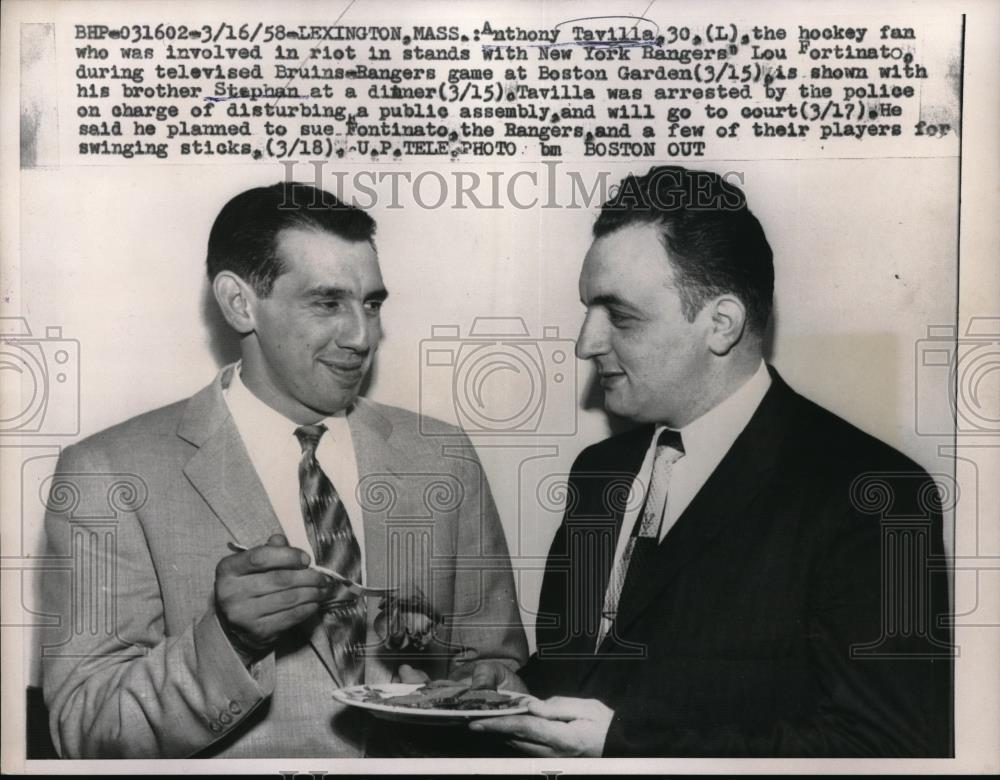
(745,573)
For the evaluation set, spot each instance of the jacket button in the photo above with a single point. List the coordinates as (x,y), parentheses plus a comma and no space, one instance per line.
(214,727)
(225,718)
(235,708)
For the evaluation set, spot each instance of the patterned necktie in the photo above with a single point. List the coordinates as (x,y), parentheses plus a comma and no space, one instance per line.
(335,547)
(630,569)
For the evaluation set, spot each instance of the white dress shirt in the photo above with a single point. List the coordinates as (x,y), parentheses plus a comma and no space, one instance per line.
(706,440)
(275,453)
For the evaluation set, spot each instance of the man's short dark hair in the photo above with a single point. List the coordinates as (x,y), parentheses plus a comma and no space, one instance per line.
(243,237)
(713,241)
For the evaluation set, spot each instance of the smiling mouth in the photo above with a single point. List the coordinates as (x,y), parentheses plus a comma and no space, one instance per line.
(345,368)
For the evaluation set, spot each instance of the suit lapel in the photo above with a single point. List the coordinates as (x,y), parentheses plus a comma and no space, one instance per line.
(376,457)
(605,488)
(220,469)
(225,478)
(378,462)
(721,501)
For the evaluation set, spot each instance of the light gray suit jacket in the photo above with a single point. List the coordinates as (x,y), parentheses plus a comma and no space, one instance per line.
(140,514)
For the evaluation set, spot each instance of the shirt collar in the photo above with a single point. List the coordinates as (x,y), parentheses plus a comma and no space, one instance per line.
(712,434)
(260,425)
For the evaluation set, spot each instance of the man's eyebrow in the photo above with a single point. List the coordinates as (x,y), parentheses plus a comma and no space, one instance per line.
(609,300)
(330,292)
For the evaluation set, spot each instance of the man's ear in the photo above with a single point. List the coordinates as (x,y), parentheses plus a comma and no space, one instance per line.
(728,321)
(236,299)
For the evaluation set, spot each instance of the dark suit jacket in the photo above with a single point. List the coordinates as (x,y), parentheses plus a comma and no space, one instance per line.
(796,608)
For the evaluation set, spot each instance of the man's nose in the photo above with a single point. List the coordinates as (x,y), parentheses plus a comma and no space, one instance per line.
(357,332)
(592,340)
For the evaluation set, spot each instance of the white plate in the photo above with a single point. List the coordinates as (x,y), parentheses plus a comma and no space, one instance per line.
(352,697)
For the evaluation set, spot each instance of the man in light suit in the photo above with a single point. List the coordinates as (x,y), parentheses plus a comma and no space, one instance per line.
(172,642)
(745,573)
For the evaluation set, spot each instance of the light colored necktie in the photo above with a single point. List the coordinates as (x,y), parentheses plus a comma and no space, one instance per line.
(646,535)
(335,547)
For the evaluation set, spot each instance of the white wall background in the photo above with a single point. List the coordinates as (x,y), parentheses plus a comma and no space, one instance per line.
(864,258)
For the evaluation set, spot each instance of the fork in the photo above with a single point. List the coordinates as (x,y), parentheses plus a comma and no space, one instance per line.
(355,588)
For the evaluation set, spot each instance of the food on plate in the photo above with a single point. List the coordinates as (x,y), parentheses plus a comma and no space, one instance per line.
(407,620)
(443,695)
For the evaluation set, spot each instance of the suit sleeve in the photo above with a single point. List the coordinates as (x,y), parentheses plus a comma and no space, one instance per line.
(115,684)
(487,624)
(880,658)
